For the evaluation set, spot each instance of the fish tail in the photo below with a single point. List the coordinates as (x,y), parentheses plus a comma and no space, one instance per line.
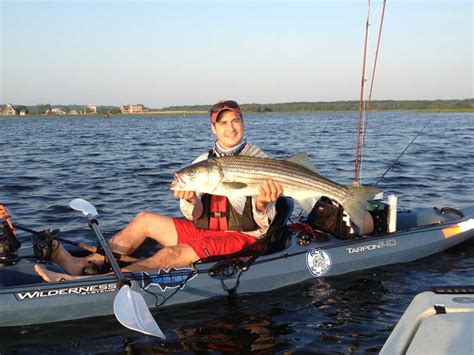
(355,203)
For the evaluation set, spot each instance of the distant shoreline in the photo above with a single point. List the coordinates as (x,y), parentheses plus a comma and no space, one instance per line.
(170,112)
(196,113)
(464,105)
(454,105)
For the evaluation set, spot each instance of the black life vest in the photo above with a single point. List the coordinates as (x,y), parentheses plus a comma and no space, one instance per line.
(219,214)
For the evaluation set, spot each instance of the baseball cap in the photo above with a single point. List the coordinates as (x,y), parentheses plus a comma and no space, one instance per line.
(223,105)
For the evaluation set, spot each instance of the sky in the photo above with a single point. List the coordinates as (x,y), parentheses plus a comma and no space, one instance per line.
(165,53)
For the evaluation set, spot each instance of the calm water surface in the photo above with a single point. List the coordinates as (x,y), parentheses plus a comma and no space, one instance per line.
(124,165)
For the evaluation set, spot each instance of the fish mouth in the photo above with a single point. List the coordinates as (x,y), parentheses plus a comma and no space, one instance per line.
(177,183)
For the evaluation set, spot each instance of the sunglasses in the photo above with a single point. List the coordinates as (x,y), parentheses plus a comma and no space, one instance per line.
(225,104)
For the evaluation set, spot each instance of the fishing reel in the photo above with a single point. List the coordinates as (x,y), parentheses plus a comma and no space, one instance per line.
(305,238)
(8,254)
(307,234)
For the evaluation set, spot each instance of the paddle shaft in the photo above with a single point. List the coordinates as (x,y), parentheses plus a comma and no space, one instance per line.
(89,248)
(94,225)
(26,229)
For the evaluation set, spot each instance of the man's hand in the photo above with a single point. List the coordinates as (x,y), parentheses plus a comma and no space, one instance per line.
(189,196)
(269,191)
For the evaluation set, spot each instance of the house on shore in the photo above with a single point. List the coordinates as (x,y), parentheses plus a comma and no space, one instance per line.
(55,111)
(90,109)
(137,108)
(9,110)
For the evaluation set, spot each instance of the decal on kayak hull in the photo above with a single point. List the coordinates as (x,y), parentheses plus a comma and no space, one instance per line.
(318,262)
(170,278)
(380,245)
(80,291)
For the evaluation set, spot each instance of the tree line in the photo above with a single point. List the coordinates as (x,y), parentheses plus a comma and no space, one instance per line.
(378,105)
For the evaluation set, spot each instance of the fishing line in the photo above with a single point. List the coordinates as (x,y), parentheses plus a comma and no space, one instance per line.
(404,150)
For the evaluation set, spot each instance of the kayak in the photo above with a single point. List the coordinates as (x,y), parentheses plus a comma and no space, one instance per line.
(450,309)
(294,258)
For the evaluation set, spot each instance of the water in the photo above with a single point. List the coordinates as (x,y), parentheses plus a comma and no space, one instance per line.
(123,165)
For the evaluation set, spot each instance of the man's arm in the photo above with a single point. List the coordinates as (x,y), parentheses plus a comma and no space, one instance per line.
(190,204)
(264,205)
(189,201)
(269,191)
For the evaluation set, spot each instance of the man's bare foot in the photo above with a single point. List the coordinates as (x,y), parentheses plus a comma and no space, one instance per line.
(72,265)
(51,276)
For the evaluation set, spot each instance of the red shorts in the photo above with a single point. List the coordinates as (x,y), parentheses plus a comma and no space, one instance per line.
(208,242)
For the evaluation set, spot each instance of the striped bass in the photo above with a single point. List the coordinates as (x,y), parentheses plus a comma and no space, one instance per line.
(242,175)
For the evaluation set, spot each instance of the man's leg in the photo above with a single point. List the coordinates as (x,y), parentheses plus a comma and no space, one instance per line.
(172,256)
(128,240)
(145,224)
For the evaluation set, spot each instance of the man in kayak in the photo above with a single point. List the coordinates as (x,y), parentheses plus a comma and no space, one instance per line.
(214,225)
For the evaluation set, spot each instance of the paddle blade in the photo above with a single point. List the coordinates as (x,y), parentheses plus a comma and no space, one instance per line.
(131,310)
(83,206)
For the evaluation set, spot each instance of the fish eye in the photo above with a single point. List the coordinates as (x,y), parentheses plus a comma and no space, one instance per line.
(191,172)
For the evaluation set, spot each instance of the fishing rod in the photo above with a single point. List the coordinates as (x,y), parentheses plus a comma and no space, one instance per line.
(361,103)
(369,100)
(404,150)
(364,106)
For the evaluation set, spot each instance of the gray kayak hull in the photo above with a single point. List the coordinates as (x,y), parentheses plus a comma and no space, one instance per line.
(435,323)
(26,300)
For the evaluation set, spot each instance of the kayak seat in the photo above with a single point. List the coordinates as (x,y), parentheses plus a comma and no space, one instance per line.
(277,234)
(274,240)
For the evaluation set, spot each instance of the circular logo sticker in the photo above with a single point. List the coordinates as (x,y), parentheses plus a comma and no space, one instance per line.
(318,262)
